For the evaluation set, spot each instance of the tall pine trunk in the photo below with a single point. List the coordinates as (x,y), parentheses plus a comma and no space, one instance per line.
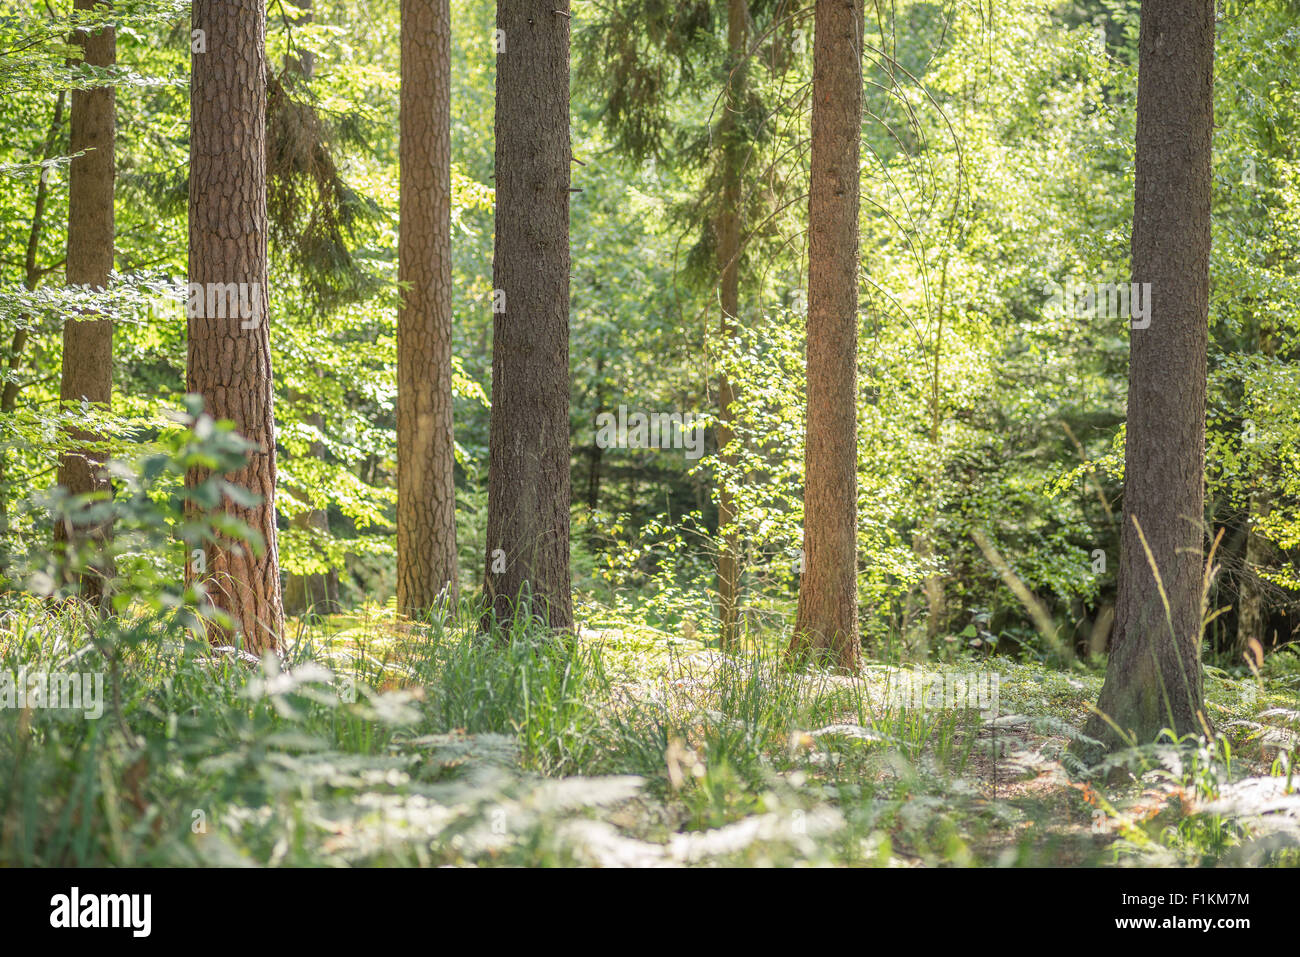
(87,373)
(426,488)
(1252,601)
(730,223)
(528,473)
(1153,676)
(229,361)
(31,279)
(826,627)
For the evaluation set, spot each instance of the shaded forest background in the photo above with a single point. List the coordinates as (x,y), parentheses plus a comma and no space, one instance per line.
(998,163)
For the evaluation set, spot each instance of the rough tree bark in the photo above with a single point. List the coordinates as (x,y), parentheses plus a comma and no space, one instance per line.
(87,369)
(1153,675)
(31,278)
(729,226)
(529,458)
(826,626)
(229,361)
(426,487)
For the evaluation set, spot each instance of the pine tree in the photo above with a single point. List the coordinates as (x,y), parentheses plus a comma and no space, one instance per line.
(229,345)
(426,488)
(528,472)
(826,626)
(1153,676)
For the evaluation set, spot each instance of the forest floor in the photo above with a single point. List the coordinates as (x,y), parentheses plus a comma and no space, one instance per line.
(384,743)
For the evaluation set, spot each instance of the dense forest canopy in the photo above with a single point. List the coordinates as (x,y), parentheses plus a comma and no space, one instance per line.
(851,298)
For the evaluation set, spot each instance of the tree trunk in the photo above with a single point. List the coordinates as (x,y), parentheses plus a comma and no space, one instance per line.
(31,278)
(315,593)
(1252,607)
(595,453)
(1252,602)
(229,361)
(931,590)
(528,472)
(1153,675)
(426,486)
(826,627)
(88,342)
(729,226)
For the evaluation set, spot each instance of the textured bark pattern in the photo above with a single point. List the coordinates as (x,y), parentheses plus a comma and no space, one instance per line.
(826,626)
(230,366)
(31,278)
(729,226)
(426,488)
(528,476)
(88,342)
(1153,677)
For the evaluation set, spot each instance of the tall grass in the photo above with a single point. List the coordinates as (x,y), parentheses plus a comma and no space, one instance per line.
(189,734)
(379,741)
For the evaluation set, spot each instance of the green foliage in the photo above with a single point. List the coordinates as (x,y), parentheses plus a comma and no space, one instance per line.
(997,161)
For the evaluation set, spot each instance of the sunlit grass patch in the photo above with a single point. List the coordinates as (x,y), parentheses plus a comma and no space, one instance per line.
(377,741)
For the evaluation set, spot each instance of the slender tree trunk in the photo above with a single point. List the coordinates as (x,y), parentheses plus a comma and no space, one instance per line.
(31,271)
(931,588)
(1153,676)
(826,627)
(229,361)
(729,226)
(305,60)
(1252,604)
(314,593)
(88,342)
(595,453)
(1252,608)
(426,486)
(935,602)
(31,277)
(529,458)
